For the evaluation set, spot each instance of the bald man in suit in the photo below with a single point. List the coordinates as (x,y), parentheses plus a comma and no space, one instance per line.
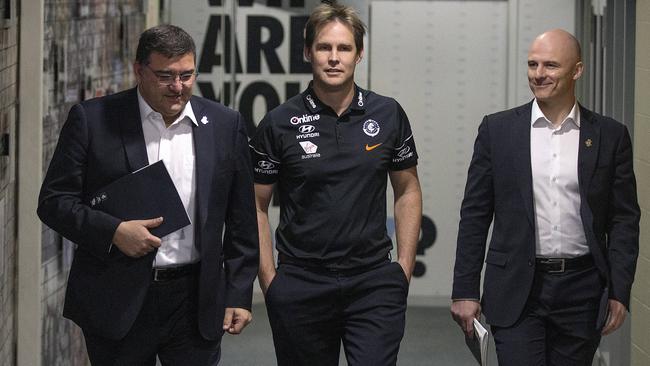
(556,181)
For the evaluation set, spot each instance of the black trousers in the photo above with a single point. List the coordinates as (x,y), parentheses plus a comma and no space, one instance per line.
(558,324)
(311,311)
(167,326)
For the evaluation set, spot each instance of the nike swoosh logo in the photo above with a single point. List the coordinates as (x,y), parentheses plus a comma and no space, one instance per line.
(372,147)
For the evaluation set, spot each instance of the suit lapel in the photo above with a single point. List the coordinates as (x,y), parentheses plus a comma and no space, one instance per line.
(587,162)
(128,115)
(521,150)
(203,136)
(588,149)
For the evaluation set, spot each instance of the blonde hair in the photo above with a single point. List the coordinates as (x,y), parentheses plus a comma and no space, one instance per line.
(333,11)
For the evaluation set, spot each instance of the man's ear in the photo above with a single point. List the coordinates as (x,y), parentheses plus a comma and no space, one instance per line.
(137,71)
(578,70)
(359,56)
(306,53)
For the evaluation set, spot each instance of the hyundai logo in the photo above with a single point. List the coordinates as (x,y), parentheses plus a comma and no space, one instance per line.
(306,129)
(403,152)
(265,164)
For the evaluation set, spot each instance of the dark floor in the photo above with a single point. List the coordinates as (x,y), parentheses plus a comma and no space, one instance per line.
(432,338)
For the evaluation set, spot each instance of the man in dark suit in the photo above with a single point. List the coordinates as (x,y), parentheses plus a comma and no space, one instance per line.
(557,182)
(137,296)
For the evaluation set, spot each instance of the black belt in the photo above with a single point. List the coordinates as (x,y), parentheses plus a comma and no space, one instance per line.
(172,273)
(561,265)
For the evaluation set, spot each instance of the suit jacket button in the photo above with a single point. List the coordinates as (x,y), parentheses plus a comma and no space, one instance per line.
(530,263)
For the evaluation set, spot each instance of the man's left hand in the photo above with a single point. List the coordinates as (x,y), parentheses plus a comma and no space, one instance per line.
(407,268)
(235,319)
(615,318)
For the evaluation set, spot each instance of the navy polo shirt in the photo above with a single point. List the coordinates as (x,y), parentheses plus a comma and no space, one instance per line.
(332,173)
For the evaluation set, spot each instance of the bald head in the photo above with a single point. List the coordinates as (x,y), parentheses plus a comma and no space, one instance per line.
(560,40)
(554,66)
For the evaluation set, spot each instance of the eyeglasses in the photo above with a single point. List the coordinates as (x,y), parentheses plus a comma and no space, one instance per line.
(167,78)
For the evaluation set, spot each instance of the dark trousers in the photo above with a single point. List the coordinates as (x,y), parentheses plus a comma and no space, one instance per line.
(166,326)
(311,311)
(558,324)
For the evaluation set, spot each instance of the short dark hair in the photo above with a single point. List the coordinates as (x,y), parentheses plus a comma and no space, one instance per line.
(168,40)
(330,11)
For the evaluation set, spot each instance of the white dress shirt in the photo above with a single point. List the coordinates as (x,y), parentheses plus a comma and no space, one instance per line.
(174,145)
(554,162)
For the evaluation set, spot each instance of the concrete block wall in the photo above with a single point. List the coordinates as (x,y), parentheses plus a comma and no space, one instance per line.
(89,47)
(640,307)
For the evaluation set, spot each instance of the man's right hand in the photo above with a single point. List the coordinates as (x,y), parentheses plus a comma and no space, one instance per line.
(464,312)
(265,279)
(134,239)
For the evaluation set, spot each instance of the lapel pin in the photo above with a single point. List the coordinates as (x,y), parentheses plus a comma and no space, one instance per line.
(588,143)
(204,120)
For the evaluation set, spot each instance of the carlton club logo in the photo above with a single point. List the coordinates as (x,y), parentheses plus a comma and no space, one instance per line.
(265,164)
(296,120)
(371,127)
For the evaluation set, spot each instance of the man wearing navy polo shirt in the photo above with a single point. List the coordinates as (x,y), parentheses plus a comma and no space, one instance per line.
(330,150)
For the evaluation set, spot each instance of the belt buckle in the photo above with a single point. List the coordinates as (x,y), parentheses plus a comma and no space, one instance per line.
(155,274)
(562,262)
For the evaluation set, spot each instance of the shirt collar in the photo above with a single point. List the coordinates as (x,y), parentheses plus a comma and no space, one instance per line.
(359,100)
(537,114)
(311,100)
(146,111)
(314,104)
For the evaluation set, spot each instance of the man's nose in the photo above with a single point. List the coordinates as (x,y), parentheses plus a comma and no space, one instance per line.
(176,84)
(334,57)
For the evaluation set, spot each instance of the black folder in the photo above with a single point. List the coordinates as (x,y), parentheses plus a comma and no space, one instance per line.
(146,193)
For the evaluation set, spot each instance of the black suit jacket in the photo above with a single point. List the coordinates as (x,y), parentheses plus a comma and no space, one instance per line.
(101,141)
(500,189)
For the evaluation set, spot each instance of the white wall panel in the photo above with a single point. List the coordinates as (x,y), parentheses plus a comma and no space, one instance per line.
(446,63)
